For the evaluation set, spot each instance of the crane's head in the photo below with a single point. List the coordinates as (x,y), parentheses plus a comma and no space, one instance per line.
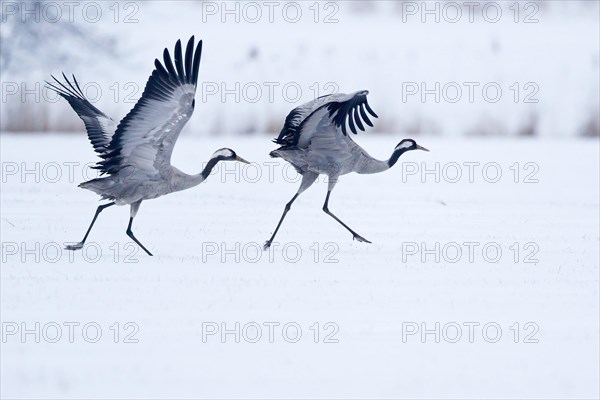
(402,147)
(223,154)
(226,154)
(409,144)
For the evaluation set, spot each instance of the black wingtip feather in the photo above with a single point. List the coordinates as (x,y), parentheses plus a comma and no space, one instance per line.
(169,65)
(179,61)
(160,69)
(370,111)
(351,122)
(189,54)
(364,115)
(78,87)
(197,57)
(357,119)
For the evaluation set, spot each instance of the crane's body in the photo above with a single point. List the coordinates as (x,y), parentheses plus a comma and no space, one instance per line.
(355,159)
(136,152)
(315,141)
(124,188)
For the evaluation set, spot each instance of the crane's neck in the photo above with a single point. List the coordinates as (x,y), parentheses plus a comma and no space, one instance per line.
(395,156)
(182,181)
(373,166)
(208,168)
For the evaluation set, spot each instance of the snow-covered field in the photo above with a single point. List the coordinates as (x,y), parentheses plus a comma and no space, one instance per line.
(482,280)
(528,317)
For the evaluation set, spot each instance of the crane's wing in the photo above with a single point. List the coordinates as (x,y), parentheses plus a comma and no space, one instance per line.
(145,138)
(348,109)
(291,131)
(100,127)
(301,123)
(327,147)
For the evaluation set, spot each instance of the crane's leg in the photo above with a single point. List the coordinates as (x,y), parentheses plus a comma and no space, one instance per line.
(285,211)
(307,179)
(79,245)
(355,235)
(134,209)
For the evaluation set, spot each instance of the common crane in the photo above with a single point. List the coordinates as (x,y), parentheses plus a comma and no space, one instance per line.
(314,139)
(136,152)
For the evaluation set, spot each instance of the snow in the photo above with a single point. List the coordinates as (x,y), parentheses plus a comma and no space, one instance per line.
(373,294)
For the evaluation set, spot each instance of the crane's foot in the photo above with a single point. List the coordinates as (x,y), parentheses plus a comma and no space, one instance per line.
(147,252)
(267,245)
(76,246)
(359,238)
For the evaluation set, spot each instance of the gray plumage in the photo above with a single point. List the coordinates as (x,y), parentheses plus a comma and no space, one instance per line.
(136,152)
(315,141)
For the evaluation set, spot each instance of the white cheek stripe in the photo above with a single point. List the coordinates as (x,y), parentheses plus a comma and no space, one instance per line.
(404,145)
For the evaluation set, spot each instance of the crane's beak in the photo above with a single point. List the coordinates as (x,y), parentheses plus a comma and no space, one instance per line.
(422,148)
(240,159)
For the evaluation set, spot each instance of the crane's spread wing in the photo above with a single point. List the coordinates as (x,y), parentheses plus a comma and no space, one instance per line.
(328,147)
(291,131)
(348,109)
(302,122)
(100,127)
(145,138)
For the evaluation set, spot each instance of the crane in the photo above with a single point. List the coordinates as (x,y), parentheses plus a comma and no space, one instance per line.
(136,152)
(315,140)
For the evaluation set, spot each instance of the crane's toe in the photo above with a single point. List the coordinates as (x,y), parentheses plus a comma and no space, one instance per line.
(360,239)
(267,245)
(73,247)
